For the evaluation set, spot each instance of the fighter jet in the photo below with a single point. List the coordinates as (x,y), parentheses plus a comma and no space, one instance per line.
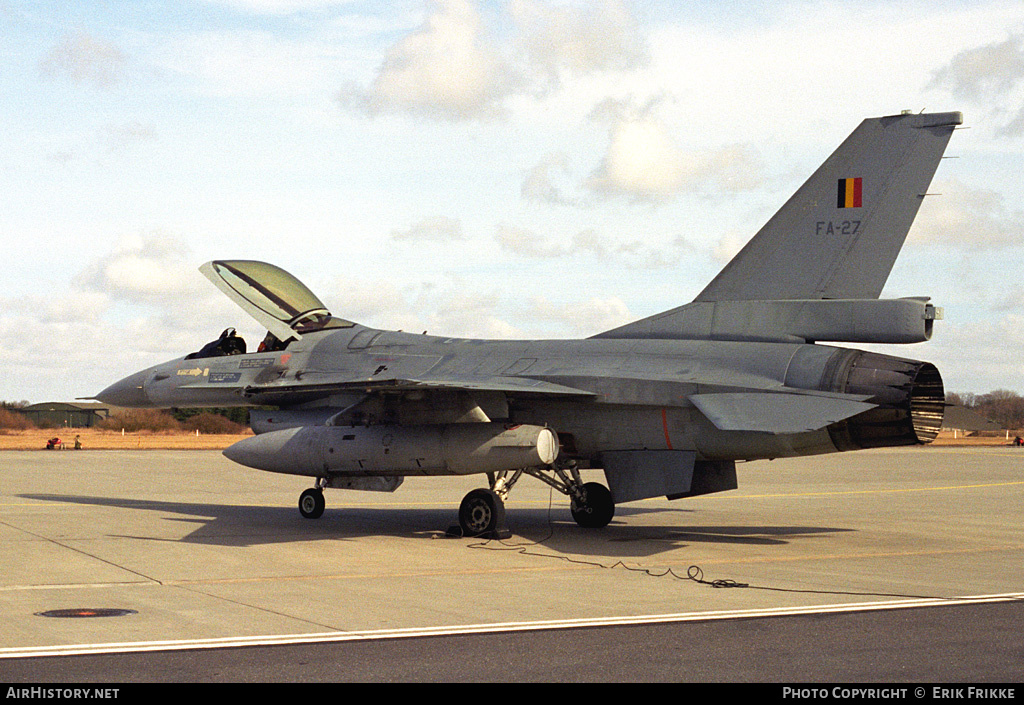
(665,406)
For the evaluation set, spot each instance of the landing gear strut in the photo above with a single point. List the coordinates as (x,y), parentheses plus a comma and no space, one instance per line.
(482,512)
(591,503)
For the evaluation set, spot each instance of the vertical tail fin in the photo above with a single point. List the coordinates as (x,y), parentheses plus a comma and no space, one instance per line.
(840,233)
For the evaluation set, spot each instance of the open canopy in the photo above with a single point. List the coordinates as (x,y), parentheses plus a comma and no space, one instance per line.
(272,296)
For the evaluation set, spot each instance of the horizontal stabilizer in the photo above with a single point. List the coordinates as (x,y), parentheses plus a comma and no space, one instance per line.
(775,413)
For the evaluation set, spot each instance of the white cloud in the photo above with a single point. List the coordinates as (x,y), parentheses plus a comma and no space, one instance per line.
(732,168)
(124,136)
(970,367)
(452,68)
(246,62)
(526,243)
(984,71)
(1009,298)
(968,218)
(632,254)
(280,7)
(591,241)
(1015,126)
(74,306)
(644,162)
(448,68)
(545,183)
(146,269)
(762,78)
(583,318)
(470,314)
(378,303)
(990,76)
(729,246)
(453,308)
(640,255)
(437,228)
(599,36)
(85,59)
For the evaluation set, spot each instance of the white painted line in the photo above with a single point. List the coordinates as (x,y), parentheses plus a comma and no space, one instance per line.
(500,627)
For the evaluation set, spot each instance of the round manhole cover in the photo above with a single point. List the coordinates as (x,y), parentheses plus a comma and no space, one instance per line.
(86,612)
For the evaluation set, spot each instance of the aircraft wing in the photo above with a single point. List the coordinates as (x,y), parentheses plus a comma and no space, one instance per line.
(470,383)
(768,412)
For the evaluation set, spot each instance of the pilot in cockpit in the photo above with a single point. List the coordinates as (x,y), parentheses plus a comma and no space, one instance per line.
(270,343)
(229,343)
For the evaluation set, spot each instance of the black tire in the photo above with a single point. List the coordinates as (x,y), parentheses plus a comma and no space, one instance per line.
(312,503)
(481,513)
(597,508)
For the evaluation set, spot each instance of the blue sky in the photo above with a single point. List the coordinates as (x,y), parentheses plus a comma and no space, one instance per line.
(513,169)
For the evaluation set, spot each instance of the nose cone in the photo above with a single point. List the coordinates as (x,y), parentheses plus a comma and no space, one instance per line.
(129,392)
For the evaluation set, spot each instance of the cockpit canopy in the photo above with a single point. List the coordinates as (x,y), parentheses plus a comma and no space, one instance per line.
(273,297)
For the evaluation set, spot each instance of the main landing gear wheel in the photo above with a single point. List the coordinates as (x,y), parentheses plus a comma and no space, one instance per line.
(482,513)
(595,509)
(311,503)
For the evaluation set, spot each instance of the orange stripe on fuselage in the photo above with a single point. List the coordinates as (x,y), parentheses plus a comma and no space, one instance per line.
(664,426)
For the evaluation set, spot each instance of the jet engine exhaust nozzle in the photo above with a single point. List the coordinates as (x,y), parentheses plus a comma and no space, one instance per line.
(909,395)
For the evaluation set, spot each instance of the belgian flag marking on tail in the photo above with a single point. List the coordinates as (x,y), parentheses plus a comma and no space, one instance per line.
(848,195)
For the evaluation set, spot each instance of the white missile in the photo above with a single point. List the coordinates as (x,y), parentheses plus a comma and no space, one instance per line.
(439,449)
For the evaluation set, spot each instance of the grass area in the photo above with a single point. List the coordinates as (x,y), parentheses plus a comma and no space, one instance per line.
(100,439)
(946,438)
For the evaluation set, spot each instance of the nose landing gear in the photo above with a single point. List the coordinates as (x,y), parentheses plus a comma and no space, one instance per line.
(312,503)
(482,513)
